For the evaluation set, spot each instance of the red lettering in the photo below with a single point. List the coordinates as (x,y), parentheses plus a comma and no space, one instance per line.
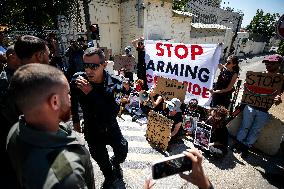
(205,93)
(194,52)
(155,80)
(196,90)
(189,87)
(169,49)
(185,51)
(158,47)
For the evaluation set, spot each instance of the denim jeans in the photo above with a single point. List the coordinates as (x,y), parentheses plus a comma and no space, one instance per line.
(253,121)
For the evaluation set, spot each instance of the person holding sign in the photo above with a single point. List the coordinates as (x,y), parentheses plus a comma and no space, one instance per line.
(156,101)
(223,89)
(219,134)
(254,117)
(175,114)
(141,66)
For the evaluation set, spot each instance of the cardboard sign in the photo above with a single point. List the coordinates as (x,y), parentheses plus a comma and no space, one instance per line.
(123,61)
(261,88)
(277,110)
(202,135)
(159,130)
(170,89)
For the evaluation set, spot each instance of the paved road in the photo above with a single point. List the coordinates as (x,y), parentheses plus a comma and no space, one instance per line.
(230,172)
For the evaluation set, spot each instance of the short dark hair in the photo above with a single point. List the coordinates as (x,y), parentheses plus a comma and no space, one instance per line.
(33,83)
(27,45)
(235,61)
(92,50)
(10,50)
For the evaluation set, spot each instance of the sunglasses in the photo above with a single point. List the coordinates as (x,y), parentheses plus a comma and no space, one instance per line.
(92,66)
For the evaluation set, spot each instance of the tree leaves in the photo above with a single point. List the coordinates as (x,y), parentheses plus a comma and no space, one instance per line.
(35,15)
(263,24)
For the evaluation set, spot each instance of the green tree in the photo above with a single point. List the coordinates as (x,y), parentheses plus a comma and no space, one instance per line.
(263,24)
(280,49)
(35,15)
(179,4)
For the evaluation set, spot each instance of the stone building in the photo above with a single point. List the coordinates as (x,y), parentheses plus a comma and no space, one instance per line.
(121,21)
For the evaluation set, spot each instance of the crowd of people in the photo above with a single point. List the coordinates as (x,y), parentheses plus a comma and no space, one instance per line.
(37,98)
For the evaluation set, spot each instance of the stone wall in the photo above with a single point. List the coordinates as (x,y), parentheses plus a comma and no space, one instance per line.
(129,24)
(181,29)
(107,15)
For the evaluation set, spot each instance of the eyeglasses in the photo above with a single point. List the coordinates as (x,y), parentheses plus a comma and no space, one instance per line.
(92,66)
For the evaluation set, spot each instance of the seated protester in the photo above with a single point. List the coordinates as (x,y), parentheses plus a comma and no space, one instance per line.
(219,135)
(157,102)
(125,94)
(175,114)
(194,107)
(121,74)
(139,85)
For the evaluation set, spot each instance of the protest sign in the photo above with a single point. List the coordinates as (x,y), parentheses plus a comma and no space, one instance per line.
(193,64)
(277,110)
(260,89)
(169,89)
(159,130)
(190,120)
(124,61)
(202,135)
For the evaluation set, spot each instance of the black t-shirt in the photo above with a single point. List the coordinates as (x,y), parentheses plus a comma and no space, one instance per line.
(177,119)
(160,106)
(219,131)
(224,79)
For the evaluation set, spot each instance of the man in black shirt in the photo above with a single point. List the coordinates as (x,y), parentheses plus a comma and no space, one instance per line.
(95,90)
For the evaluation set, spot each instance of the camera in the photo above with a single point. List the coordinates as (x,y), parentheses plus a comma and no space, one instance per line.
(170,166)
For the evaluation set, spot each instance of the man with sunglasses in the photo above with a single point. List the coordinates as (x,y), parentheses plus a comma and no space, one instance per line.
(95,90)
(255,118)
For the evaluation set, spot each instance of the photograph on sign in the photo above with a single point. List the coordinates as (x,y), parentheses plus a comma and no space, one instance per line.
(158,131)
(202,135)
(190,120)
(260,89)
(170,88)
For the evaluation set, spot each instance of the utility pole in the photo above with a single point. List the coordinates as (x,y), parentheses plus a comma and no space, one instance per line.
(235,35)
(87,17)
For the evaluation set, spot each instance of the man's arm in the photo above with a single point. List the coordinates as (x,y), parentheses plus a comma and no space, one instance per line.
(176,129)
(75,107)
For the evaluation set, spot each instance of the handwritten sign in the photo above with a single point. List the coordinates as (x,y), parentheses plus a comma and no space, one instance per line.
(159,130)
(260,89)
(124,61)
(169,89)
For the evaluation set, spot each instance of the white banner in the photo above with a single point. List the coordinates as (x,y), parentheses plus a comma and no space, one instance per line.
(195,64)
